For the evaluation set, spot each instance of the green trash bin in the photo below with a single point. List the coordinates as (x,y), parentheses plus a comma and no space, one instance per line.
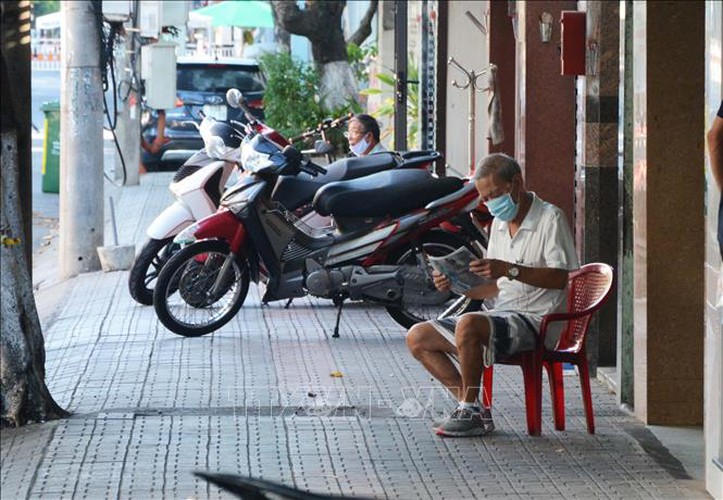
(51,147)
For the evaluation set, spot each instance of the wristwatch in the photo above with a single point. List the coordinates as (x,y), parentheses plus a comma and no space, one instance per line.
(513,272)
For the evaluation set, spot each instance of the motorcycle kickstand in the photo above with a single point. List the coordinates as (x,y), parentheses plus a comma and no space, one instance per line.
(339,302)
(288,303)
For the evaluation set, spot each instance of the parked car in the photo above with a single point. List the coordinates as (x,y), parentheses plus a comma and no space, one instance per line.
(201,86)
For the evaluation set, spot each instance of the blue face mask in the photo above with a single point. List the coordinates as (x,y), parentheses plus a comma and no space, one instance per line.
(359,148)
(503,207)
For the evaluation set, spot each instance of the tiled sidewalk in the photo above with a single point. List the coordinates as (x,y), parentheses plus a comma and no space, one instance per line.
(256,398)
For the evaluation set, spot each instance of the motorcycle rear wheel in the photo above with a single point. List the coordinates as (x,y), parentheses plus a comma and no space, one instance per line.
(434,243)
(182,298)
(147,265)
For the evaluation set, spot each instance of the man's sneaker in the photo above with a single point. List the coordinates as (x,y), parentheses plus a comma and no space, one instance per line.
(464,422)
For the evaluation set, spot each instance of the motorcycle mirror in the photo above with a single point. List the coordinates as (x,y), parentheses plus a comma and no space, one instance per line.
(292,155)
(234,98)
(323,147)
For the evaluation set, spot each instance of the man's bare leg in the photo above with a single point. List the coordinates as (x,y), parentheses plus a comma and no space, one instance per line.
(469,419)
(471,333)
(431,349)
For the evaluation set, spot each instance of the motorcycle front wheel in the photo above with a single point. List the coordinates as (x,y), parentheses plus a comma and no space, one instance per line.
(147,266)
(435,244)
(184,298)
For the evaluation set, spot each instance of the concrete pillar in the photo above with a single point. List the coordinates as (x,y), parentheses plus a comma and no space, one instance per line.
(81,151)
(596,187)
(503,46)
(545,108)
(128,130)
(668,203)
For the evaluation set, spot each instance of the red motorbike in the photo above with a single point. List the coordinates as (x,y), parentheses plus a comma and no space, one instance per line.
(384,227)
(199,183)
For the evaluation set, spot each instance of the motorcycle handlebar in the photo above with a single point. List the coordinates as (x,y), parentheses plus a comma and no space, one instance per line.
(326,124)
(312,168)
(243,126)
(191,122)
(293,155)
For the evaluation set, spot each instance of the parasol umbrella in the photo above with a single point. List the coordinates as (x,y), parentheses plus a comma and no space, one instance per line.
(242,13)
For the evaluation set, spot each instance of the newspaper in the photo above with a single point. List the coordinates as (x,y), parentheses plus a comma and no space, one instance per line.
(455,266)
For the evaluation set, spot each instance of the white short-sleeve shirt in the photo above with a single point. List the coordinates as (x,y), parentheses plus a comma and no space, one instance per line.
(543,240)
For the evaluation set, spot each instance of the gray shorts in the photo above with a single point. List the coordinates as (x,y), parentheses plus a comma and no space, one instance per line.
(511,333)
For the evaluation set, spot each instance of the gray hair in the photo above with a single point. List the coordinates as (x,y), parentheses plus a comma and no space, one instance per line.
(503,166)
(369,124)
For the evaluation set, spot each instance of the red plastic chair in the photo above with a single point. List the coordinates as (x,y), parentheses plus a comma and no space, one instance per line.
(588,289)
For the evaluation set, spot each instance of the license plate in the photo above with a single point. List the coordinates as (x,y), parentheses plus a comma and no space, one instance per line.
(217,111)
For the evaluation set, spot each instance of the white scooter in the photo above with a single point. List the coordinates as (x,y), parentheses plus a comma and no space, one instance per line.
(197,187)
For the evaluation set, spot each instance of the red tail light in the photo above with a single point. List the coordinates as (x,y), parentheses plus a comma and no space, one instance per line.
(256,104)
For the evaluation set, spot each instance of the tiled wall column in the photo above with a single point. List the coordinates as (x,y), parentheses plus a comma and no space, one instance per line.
(502,45)
(625,270)
(545,108)
(596,203)
(667,204)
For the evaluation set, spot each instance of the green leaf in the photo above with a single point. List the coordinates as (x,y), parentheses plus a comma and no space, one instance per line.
(371,91)
(384,78)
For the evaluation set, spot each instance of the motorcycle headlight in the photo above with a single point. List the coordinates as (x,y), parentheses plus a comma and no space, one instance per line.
(254,160)
(186,236)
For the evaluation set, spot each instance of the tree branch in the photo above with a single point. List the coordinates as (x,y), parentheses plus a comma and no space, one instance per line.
(292,18)
(365,25)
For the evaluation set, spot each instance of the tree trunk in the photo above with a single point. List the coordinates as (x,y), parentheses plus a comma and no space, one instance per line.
(338,85)
(24,397)
(15,24)
(320,22)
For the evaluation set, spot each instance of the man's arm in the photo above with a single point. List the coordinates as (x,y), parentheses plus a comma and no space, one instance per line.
(559,256)
(485,291)
(161,138)
(715,149)
(541,277)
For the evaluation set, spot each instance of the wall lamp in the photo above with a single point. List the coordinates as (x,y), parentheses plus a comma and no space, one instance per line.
(545,27)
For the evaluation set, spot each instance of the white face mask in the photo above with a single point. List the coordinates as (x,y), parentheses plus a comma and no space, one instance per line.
(359,148)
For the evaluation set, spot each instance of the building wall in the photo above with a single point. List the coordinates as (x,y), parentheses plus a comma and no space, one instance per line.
(713,418)
(469,47)
(545,108)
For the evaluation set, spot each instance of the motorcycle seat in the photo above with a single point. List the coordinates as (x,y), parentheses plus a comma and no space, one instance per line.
(393,192)
(417,158)
(295,191)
